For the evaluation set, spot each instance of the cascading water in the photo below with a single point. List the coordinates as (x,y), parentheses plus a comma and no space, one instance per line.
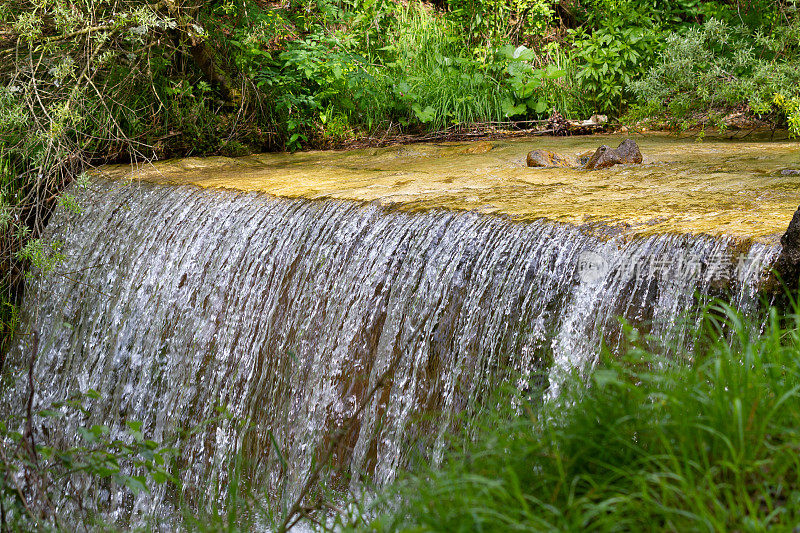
(175,300)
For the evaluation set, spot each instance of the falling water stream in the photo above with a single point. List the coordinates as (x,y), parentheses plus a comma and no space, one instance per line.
(175,300)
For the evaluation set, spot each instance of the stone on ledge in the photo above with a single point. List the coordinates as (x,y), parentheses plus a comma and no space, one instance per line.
(627,153)
(546,158)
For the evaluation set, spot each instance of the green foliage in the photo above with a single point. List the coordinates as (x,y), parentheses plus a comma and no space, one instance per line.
(315,75)
(612,56)
(526,82)
(416,71)
(44,256)
(705,443)
(72,475)
(431,77)
(791,108)
(754,15)
(485,23)
(720,66)
(672,13)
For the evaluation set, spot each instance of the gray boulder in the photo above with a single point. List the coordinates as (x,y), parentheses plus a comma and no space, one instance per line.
(627,153)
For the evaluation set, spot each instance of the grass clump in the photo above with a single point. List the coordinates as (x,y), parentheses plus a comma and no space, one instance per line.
(647,444)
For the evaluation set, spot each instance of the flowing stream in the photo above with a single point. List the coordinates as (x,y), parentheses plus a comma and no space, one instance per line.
(174,301)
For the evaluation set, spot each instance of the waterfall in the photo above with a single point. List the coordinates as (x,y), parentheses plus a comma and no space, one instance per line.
(174,300)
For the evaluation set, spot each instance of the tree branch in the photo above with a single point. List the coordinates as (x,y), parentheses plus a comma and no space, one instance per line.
(297,511)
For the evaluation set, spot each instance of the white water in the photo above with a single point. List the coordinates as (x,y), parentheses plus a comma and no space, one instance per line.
(174,300)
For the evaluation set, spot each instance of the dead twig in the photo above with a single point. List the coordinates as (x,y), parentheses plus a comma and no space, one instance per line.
(31,392)
(297,511)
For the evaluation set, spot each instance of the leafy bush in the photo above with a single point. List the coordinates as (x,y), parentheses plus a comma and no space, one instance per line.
(485,23)
(612,56)
(719,66)
(433,79)
(672,13)
(526,96)
(316,77)
(418,75)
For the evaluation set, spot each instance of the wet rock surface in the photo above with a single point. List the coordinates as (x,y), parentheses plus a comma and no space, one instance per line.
(787,267)
(603,157)
(627,153)
(548,159)
(584,158)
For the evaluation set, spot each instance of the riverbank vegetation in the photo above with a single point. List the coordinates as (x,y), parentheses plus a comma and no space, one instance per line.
(706,443)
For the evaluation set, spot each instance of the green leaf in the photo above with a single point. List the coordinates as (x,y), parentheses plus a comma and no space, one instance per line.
(147,454)
(87,435)
(517,70)
(604,377)
(424,115)
(523,53)
(507,51)
(135,483)
(532,85)
(510,110)
(555,73)
(103,471)
(99,430)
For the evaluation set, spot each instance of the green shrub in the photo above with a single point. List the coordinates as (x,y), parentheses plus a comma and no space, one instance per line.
(487,23)
(418,72)
(612,56)
(312,75)
(432,77)
(719,66)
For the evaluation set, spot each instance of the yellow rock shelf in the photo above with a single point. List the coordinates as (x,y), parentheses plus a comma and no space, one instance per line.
(715,187)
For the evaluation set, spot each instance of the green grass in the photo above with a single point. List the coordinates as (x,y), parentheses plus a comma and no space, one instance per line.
(426,76)
(707,444)
(439,73)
